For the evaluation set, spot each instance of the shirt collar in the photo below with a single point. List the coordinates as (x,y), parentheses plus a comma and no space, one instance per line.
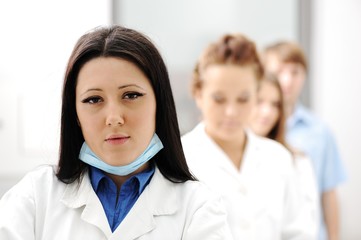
(96,175)
(300,115)
(144,177)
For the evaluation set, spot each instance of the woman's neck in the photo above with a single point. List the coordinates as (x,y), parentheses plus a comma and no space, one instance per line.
(234,149)
(289,109)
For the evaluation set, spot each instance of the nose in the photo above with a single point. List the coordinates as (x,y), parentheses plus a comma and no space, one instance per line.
(285,82)
(114,115)
(231,110)
(265,110)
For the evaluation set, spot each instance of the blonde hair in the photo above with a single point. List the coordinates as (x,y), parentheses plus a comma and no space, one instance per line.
(278,132)
(235,49)
(286,52)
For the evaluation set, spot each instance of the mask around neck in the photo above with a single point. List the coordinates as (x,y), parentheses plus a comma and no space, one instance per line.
(88,156)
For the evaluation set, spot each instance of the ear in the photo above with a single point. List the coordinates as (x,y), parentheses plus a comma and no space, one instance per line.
(198,97)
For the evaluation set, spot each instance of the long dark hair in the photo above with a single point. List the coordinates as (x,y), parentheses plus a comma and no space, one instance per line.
(128,44)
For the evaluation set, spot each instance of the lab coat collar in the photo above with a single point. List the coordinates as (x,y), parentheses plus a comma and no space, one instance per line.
(211,148)
(81,194)
(140,220)
(158,198)
(219,156)
(250,158)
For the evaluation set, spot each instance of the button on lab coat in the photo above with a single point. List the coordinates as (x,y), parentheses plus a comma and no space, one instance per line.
(261,198)
(41,207)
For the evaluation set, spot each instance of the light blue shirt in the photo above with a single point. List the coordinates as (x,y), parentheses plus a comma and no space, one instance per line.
(117,204)
(309,134)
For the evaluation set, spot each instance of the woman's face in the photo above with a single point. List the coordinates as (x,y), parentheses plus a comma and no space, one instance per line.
(226,99)
(116,109)
(267,112)
(291,77)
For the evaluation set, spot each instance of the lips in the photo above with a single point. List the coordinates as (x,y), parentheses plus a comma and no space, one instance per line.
(230,124)
(117,139)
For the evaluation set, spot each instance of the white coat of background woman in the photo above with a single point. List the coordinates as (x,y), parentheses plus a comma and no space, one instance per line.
(268,120)
(254,175)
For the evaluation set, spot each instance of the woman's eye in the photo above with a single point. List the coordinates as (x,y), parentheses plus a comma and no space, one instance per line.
(218,99)
(92,100)
(243,99)
(132,95)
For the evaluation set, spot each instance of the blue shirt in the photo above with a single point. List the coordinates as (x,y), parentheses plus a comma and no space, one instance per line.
(117,204)
(309,134)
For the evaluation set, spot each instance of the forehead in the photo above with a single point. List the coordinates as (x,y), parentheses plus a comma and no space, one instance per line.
(291,65)
(269,89)
(110,70)
(223,76)
(272,62)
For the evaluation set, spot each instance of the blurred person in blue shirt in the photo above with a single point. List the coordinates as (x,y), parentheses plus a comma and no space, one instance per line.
(306,132)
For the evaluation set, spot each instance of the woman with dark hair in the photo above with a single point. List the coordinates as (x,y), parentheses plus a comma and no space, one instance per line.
(122,173)
(254,175)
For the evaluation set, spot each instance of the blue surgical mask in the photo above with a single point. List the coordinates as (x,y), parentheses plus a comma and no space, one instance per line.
(88,156)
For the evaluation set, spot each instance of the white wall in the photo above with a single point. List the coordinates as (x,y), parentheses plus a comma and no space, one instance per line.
(37,37)
(336,95)
(182,29)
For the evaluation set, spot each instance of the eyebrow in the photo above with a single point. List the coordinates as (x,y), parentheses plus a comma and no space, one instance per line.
(120,87)
(130,85)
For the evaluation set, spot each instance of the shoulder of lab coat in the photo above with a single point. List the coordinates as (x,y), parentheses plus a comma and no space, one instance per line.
(41,207)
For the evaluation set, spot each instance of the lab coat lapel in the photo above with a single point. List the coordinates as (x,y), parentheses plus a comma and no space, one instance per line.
(77,196)
(214,153)
(251,158)
(159,198)
(138,222)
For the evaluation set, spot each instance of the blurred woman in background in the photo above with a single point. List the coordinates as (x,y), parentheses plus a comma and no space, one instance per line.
(254,175)
(268,120)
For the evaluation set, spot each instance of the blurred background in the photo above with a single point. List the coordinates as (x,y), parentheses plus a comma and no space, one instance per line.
(38,36)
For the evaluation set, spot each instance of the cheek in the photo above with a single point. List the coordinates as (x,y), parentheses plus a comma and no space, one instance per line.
(275,115)
(81,117)
(299,82)
(89,121)
(206,105)
(248,112)
(251,106)
(209,113)
(144,119)
(89,125)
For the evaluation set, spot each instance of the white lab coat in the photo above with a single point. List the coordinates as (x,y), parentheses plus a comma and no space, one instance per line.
(41,207)
(309,194)
(261,198)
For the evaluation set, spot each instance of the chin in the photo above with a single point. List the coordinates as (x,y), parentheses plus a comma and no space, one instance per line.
(231,135)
